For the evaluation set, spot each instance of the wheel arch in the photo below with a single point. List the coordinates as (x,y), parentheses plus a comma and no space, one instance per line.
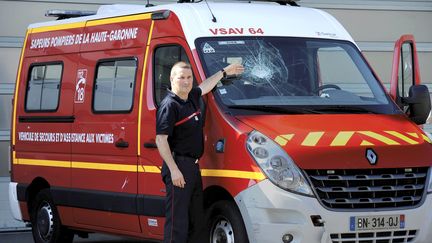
(215,193)
(33,189)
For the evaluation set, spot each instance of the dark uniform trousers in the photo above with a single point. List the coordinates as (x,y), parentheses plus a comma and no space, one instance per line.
(184,220)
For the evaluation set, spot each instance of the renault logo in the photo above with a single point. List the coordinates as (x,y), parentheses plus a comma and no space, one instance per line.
(371,156)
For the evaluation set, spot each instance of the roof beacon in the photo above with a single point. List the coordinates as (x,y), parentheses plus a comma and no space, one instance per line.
(66,14)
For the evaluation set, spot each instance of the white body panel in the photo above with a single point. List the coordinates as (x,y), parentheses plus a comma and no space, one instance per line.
(196,20)
(270,212)
(13,201)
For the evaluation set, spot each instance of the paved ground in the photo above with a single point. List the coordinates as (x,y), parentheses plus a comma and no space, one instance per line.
(26,237)
(13,231)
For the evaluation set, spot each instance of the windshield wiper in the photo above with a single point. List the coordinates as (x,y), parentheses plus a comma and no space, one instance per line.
(346,109)
(275,109)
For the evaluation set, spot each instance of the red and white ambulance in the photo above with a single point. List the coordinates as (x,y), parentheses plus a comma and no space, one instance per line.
(306,146)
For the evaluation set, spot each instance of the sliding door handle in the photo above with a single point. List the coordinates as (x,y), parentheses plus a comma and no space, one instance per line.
(150,145)
(121,144)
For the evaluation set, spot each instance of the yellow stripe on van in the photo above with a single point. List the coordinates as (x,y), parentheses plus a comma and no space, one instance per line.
(16,90)
(151,169)
(233,174)
(142,86)
(426,138)
(413,134)
(312,138)
(283,139)
(38,162)
(379,137)
(14,160)
(104,166)
(341,139)
(58,27)
(401,136)
(119,19)
(366,143)
(134,168)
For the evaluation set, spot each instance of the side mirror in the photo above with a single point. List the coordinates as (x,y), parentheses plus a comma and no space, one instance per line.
(419,103)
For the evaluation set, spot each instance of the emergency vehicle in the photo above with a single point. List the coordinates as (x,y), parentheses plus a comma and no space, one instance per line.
(306,146)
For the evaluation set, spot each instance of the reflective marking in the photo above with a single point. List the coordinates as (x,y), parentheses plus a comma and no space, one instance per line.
(426,138)
(142,87)
(50,163)
(134,168)
(17,82)
(413,134)
(151,169)
(58,27)
(341,139)
(233,174)
(366,143)
(118,19)
(14,160)
(401,136)
(104,166)
(283,139)
(312,138)
(379,137)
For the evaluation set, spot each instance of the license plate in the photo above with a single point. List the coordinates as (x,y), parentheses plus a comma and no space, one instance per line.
(377,222)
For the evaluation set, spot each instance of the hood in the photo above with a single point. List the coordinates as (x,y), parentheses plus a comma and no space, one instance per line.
(346,141)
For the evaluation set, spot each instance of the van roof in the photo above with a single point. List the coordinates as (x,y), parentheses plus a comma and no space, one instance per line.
(196,19)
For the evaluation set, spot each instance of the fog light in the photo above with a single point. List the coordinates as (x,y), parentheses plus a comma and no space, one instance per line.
(287,238)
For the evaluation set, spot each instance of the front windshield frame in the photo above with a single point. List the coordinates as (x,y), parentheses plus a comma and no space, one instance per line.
(385,107)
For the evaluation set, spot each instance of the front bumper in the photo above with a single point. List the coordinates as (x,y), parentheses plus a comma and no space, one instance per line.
(13,201)
(269,212)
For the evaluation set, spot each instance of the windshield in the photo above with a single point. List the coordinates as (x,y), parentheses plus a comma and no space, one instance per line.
(295,72)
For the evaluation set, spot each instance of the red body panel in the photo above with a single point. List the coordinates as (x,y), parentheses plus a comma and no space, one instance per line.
(351,155)
(50,43)
(134,170)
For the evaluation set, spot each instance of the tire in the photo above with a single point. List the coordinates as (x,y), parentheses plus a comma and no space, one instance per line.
(226,223)
(46,225)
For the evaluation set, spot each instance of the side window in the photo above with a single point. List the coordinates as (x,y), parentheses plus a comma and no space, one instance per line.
(406,73)
(114,86)
(43,89)
(164,58)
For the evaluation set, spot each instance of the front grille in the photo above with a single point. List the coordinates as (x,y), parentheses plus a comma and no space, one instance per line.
(375,237)
(369,188)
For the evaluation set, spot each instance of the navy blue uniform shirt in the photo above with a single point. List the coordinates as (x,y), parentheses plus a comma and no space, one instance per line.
(181,121)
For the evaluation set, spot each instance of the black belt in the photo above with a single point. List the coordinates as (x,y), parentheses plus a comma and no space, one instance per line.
(185,157)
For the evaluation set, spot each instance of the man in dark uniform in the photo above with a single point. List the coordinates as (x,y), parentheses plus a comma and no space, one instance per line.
(179,138)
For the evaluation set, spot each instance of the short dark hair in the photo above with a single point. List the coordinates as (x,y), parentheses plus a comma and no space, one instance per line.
(180,64)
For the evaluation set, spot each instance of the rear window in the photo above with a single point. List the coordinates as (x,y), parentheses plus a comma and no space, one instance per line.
(43,89)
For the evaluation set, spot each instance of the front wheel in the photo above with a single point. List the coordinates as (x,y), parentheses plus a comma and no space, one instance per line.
(226,224)
(46,225)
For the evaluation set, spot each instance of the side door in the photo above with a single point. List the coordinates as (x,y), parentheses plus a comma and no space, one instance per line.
(405,84)
(104,139)
(44,115)
(164,52)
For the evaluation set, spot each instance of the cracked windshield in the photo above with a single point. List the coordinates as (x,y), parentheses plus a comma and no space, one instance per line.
(281,72)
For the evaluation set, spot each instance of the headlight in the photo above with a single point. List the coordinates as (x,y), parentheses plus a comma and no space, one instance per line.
(276,164)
